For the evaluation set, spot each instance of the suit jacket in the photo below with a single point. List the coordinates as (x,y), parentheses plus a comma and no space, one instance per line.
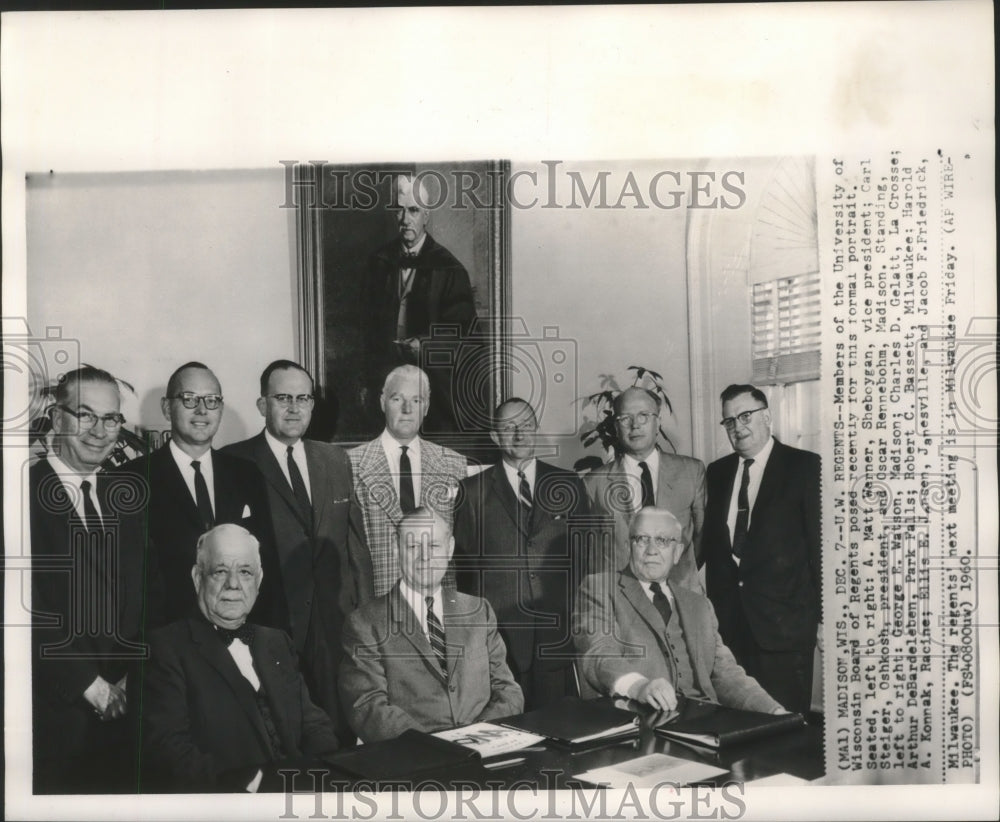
(680,488)
(618,630)
(441,469)
(523,561)
(440,296)
(200,714)
(390,679)
(778,578)
(68,579)
(174,527)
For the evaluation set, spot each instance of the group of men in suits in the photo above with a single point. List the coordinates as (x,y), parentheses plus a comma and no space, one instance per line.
(351,555)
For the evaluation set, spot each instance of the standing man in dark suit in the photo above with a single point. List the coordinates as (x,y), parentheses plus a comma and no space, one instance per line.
(318,525)
(642,475)
(423,655)
(417,286)
(194,487)
(93,592)
(762,549)
(223,697)
(513,547)
(401,471)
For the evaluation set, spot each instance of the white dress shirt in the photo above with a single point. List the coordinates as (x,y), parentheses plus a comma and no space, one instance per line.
(393,451)
(756,474)
(280,451)
(187,472)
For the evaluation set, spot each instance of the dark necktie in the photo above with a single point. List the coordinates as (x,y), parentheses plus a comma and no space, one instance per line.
(92,518)
(244,633)
(201,497)
(660,602)
(742,510)
(406,500)
(299,488)
(524,489)
(646,481)
(435,633)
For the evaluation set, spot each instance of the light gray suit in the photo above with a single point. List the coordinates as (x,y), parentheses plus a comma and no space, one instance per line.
(617,630)
(680,488)
(390,679)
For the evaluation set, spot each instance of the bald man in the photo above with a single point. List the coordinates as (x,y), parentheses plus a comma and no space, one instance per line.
(417,287)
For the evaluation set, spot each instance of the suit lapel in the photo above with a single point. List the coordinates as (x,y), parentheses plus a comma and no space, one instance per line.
(407,625)
(319,481)
(217,655)
(774,473)
(633,592)
(503,492)
(454,632)
(666,479)
(373,473)
(432,473)
(171,480)
(268,668)
(269,467)
(727,476)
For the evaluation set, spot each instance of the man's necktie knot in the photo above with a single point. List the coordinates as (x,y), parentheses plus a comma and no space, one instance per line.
(660,602)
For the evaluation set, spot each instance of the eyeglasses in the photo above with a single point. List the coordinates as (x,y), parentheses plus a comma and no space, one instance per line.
(88,419)
(190,400)
(729,423)
(640,419)
(662,543)
(524,428)
(285,400)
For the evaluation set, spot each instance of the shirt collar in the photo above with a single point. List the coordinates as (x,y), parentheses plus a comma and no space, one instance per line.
(760,460)
(279,448)
(67,475)
(652,461)
(416,248)
(184,459)
(392,445)
(529,468)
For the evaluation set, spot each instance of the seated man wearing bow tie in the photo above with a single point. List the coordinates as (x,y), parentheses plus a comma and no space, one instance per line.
(646,639)
(423,656)
(223,697)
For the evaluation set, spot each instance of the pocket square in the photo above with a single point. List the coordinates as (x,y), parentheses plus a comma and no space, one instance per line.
(338,501)
(246,512)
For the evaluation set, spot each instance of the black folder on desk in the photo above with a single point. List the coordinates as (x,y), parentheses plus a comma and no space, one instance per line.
(714,726)
(575,721)
(413,755)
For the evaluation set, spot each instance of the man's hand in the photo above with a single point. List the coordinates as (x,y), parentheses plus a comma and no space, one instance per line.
(107,700)
(780,710)
(656,692)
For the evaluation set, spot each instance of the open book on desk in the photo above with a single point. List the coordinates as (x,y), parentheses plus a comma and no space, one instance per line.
(574,721)
(706,724)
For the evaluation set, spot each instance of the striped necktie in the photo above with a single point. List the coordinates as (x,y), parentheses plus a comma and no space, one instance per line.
(435,633)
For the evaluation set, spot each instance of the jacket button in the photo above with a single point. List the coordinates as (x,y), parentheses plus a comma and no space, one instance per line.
(453,688)
(740,583)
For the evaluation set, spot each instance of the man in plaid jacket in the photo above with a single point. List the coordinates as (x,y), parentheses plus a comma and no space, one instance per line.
(399,472)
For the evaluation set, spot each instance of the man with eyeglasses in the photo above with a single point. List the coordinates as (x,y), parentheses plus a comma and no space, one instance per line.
(194,487)
(94,592)
(649,639)
(400,471)
(642,475)
(762,549)
(512,537)
(318,526)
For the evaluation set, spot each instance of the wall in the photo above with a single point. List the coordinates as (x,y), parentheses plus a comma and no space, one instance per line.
(150,270)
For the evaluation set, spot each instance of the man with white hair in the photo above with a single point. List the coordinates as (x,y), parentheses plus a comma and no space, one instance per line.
(417,287)
(646,638)
(224,697)
(400,471)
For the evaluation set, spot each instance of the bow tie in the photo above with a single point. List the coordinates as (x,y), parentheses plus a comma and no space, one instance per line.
(244,633)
